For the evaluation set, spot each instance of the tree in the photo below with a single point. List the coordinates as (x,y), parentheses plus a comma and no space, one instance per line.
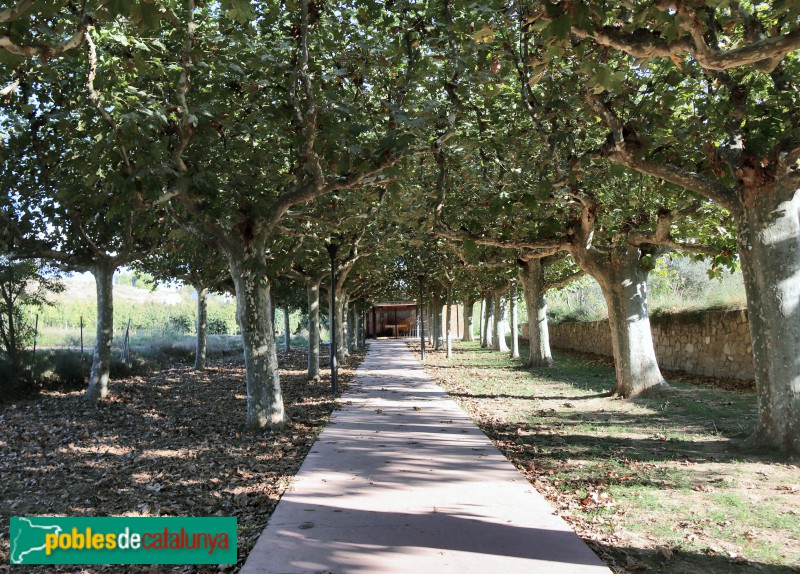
(321,119)
(190,258)
(723,125)
(23,284)
(538,273)
(69,201)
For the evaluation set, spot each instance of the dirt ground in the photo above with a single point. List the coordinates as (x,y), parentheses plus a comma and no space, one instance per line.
(663,484)
(168,444)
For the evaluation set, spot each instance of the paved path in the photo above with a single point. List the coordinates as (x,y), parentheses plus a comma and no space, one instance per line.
(402,480)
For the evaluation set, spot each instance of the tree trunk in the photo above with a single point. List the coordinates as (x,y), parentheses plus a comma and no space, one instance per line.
(312,289)
(448,337)
(436,327)
(9,333)
(364,333)
(202,328)
(532,277)
(481,329)
(469,305)
(440,323)
(254,313)
(429,333)
(287,333)
(351,340)
(341,327)
(514,321)
(101,361)
(354,326)
(623,279)
(500,323)
(769,248)
(488,322)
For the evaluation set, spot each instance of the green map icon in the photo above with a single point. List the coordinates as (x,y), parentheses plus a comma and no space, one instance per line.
(28,538)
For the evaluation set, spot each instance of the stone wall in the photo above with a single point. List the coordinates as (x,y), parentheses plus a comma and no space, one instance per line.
(710,343)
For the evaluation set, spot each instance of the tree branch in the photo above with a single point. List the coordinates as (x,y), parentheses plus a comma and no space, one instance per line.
(764,54)
(663,234)
(12,13)
(622,154)
(186,127)
(690,180)
(46,51)
(94,98)
(563,281)
(465,235)
(10,88)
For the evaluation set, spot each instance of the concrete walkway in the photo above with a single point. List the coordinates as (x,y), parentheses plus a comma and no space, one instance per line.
(403,481)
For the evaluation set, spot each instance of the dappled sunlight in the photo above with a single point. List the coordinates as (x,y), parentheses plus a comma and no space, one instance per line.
(665,469)
(168,444)
(400,473)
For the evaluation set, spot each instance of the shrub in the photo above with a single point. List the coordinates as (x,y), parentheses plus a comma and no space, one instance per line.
(217,326)
(180,324)
(68,369)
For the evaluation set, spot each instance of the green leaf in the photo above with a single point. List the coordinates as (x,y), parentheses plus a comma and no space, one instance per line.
(561,26)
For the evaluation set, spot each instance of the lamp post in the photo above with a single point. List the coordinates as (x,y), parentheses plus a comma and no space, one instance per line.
(332,249)
(421,318)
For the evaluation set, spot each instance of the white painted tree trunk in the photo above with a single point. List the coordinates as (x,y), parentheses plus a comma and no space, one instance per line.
(500,327)
(469,305)
(769,248)
(254,314)
(355,328)
(201,345)
(488,322)
(514,321)
(101,360)
(342,351)
(623,279)
(351,338)
(312,290)
(447,334)
(532,277)
(287,333)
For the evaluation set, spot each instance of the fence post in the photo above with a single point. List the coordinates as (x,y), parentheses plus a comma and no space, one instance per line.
(83,361)
(124,355)
(35,337)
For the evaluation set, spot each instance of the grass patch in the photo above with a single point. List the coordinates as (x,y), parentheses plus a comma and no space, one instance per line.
(631,476)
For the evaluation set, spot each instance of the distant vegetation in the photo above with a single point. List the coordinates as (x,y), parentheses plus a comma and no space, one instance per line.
(151,316)
(148,314)
(163,329)
(677,284)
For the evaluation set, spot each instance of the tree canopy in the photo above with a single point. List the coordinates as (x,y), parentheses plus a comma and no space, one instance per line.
(470,143)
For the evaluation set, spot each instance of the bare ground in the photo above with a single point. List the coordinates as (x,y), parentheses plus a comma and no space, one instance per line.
(169,444)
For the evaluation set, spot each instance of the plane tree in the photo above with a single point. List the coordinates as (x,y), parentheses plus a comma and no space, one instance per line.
(24,283)
(71,184)
(612,224)
(704,95)
(271,111)
(721,123)
(194,260)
